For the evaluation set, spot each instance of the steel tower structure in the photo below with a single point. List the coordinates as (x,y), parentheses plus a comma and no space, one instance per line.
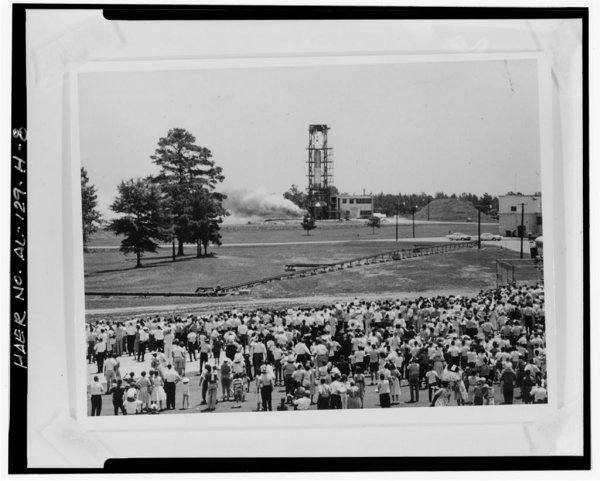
(320,173)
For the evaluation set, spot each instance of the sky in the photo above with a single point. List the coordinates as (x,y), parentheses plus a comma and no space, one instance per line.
(395,128)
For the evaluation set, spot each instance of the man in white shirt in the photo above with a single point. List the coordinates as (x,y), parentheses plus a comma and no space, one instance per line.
(96,391)
(302,352)
(144,336)
(171,378)
(320,352)
(178,354)
(192,340)
(242,331)
(109,369)
(539,394)
(130,332)
(258,351)
(159,338)
(303,403)
(336,386)
(100,351)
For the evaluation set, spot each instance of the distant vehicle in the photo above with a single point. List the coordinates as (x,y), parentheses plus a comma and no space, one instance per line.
(487,236)
(382,217)
(459,236)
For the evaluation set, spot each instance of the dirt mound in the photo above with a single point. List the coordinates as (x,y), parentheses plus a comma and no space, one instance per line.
(451,210)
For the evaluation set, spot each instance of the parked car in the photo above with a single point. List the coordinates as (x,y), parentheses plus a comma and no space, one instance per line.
(487,236)
(459,236)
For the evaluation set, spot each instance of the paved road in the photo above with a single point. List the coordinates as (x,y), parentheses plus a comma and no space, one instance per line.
(512,244)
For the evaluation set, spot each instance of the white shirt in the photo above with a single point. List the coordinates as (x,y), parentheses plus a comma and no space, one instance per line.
(96,388)
(171,376)
(302,404)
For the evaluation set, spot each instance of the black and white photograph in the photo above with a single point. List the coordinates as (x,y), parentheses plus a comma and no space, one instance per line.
(371,224)
(313,237)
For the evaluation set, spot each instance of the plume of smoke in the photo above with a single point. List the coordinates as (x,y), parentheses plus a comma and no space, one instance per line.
(258,205)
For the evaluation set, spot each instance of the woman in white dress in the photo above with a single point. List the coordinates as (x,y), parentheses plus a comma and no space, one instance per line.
(168,340)
(158,392)
(144,386)
(394,384)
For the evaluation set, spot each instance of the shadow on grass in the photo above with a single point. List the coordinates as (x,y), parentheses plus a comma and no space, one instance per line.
(159,261)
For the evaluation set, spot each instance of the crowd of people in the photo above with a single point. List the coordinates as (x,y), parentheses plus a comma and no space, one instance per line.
(451,349)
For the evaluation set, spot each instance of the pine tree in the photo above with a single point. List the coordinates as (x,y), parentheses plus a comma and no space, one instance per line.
(90,216)
(144,221)
(187,170)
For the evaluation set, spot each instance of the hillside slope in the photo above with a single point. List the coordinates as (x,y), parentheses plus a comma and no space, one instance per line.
(451,210)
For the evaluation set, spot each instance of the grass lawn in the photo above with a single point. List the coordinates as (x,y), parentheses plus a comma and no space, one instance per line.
(326,230)
(465,271)
(110,270)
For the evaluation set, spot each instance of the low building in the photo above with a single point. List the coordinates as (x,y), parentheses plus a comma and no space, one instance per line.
(350,206)
(513,208)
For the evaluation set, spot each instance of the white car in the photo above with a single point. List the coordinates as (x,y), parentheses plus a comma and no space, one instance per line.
(459,236)
(491,237)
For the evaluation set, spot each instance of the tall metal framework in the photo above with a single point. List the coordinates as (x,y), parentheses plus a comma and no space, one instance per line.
(320,173)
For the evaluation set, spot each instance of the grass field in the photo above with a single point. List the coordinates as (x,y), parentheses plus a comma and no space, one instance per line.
(326,230)
(465,271)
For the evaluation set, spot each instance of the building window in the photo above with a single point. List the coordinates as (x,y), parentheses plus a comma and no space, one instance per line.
(513,208)
(539,220)
(365,213)
(344,201)
(363,201)
(352,201)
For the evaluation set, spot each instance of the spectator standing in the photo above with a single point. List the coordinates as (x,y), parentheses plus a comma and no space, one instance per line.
(265,385)
(507,381)
(413,373)
(212,388)
(96,391)
(100,351)
(171,378)
(383,388)
(118,395)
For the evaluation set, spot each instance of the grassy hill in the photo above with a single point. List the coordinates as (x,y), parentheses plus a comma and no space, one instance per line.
(451,210)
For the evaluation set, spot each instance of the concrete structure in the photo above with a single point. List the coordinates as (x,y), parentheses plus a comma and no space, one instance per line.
(353,206)
(514,207)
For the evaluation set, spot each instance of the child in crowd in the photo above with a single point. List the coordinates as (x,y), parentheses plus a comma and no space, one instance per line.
(185,382)
(238,390)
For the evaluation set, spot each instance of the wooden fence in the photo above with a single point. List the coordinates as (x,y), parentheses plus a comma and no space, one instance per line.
(314,269)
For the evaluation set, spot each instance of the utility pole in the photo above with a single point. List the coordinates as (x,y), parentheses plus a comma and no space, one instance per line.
(397,212)
(414,209)
(428,202)
(522,228)
(479,226)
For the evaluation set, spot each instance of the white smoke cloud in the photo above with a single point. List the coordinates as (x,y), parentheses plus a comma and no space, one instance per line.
(258,205)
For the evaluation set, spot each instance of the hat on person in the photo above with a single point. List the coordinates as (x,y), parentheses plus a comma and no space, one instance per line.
(185,380)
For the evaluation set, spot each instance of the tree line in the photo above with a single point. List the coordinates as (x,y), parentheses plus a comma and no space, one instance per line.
(405,203)
(180,205)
